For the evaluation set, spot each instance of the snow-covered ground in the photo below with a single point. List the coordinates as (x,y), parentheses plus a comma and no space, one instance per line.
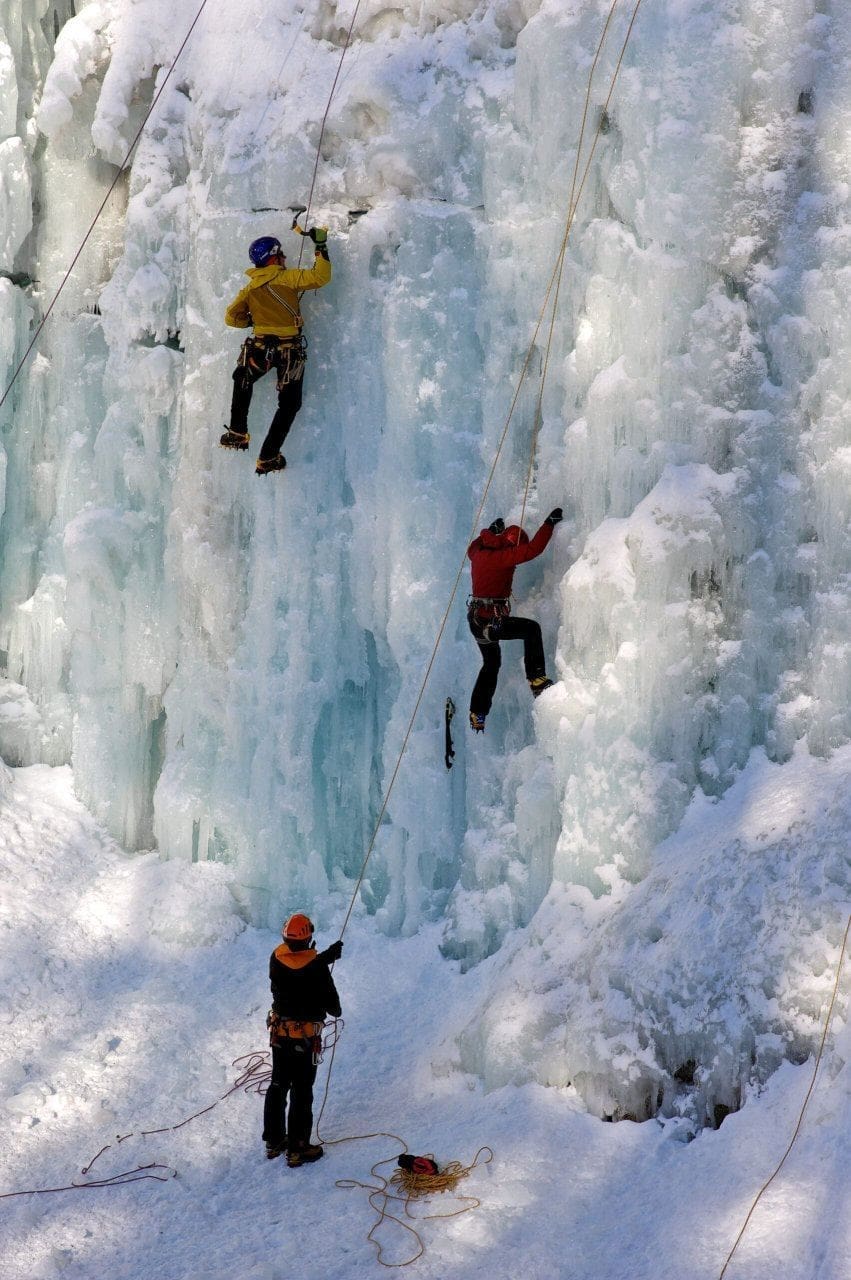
(130,984)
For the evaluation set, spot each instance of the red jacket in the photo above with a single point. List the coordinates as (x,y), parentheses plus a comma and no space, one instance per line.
(494,557)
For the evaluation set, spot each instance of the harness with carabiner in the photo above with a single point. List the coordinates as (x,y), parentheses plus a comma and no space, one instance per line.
(303,1034)
(485,615)
(286,355)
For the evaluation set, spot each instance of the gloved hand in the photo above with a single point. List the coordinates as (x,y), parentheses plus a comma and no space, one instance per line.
(334,952)
(319,235)
(555,516)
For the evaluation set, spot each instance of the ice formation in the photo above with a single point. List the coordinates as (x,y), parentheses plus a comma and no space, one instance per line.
(230,664)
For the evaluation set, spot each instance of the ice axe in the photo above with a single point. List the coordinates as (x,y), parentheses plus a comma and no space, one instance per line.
(297,210)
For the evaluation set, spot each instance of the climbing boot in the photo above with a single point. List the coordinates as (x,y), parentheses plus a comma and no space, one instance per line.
(539,684)
(307,1154)
(273,1151)
(477,722)
(234,439)
(265,465)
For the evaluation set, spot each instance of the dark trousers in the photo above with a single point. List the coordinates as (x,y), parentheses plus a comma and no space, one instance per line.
(293,1074)
(256,360)
(525,629)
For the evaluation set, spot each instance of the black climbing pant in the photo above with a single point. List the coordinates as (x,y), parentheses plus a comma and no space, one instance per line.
(488,633)
(257,358)
(293,1074)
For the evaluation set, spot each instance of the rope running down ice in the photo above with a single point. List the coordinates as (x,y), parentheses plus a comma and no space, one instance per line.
(556,275)
(102,206)
(794,1137)
(573,204)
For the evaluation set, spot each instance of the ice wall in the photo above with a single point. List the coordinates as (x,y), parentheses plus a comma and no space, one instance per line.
(230,662)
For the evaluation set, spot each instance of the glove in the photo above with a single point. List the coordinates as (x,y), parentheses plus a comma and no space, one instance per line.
(319,236)
(334,952)
(555,516)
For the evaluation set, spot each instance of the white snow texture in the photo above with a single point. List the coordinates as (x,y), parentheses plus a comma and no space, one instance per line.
(229,662)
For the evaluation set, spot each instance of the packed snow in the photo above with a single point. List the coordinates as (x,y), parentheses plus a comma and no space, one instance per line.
(625,901)
(131,983)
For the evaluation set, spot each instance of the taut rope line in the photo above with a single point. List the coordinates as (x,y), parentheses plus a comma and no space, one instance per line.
(324,121)
(573,205)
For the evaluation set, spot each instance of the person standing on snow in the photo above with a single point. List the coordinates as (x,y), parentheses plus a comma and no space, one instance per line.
(270,303)
(494,556)
(303,993)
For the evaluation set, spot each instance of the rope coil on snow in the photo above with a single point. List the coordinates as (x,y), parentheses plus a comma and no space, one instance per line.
(794,1137)
(412,1186)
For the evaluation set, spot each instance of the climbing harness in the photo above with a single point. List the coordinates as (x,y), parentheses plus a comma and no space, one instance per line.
(286,355)
(485,615)
(449,749)
(490,606)
(286,1030)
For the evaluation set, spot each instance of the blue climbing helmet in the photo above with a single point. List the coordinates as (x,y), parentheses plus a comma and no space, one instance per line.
(260,251)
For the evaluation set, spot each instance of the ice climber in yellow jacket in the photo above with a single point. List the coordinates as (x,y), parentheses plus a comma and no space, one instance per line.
(269,304)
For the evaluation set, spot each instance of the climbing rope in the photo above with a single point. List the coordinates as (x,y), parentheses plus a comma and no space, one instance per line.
(809,1092)
(348,41)
(403,1187)
(555,277)
(103,204)
(254,1074)
(572,206)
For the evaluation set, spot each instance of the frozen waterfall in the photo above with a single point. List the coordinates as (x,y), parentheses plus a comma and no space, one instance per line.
(229,662)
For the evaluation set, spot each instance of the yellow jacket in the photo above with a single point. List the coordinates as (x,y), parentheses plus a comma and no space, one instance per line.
(270,301)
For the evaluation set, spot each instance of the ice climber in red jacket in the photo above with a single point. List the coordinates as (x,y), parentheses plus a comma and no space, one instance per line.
(494,556)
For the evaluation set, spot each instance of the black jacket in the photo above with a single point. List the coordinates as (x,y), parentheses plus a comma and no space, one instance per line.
(302,986)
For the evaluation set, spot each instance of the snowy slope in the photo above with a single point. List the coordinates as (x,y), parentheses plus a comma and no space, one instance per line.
(120,1015)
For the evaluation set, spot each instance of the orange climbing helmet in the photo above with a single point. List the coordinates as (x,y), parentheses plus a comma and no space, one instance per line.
(299,928)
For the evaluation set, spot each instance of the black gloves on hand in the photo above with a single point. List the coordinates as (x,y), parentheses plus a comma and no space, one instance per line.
(319,235)
(555,516)
(334,952)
